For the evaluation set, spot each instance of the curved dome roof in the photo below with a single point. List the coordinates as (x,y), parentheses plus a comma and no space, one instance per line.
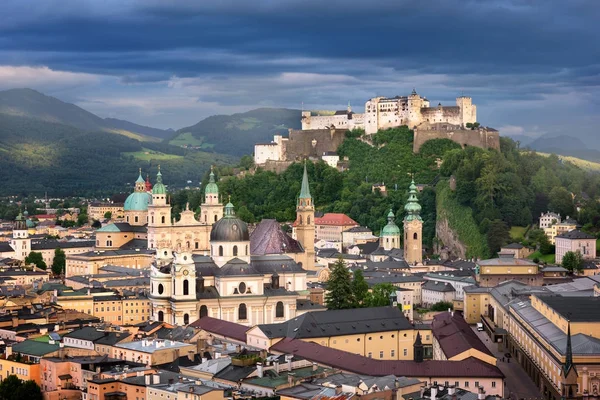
(229,228)
(211,186)
(30,223)
(159,186)
(391,229)
(137,201)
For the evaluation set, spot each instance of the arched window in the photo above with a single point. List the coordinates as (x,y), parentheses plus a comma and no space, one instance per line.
(300,219)
(235,251)
(161,316)
(153,219)
(415,236)
(186,287)
(242,312)
(161,288)
(162,219)
(220,251)
(203,311)
(279,310)
(205,217)
(188,244)
(186,319)
(215,217)
(136,218)
(308,220)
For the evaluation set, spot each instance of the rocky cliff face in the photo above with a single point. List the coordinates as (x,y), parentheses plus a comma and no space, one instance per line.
(449,239)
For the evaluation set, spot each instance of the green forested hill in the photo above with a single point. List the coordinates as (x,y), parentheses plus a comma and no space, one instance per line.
(238,133)
(499,189)
(33,104)
(38,156)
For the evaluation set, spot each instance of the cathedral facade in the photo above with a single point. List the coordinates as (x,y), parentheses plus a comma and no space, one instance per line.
(230,283)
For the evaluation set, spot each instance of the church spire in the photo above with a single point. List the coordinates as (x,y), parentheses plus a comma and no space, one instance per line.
(305,189)
(159,186)
(412,207)
(569,356)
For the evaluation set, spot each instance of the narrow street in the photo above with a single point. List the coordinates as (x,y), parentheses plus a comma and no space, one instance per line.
(518,384)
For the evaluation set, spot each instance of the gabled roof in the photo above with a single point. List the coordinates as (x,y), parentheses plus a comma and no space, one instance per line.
(85,333)
(335,219)
(436,286)
(269,238)
(455,336)
(574,235)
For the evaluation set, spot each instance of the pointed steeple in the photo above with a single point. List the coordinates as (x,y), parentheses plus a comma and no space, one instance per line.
(569,356)
(305,189)
(211,187)
(412,206)
(140,179)
(418,351)
(159,186)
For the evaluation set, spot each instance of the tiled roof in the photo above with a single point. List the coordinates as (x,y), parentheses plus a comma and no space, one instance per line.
(575,234)
(470,367)
(86,333)
(34,348)
(269,238)
(513,246)
(335,219)
(222,328)
(455,336)
(436,286)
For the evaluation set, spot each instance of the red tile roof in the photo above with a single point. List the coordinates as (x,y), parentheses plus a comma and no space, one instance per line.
(470,367)
(222,328)
(455,336)
(335,219)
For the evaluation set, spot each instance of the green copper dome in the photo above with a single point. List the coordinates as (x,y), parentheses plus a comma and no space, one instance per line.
(211,187)
(140,179)
(412,207)
(159,187)
(391,229)
(137,201)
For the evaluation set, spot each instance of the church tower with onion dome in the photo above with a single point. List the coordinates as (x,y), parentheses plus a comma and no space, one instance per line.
(413,228)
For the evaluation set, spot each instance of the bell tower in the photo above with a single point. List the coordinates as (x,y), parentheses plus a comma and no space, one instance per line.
(21,242)
(212,208)
(305,223)
(159,215)
(413,228)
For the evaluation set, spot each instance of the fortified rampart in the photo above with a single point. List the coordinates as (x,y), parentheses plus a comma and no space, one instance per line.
(483,137)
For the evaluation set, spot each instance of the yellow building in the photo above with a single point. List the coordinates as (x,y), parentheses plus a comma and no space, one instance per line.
(96,210)
(89,262)
(560,228)
(23,370)
(490,273)
(152,351)
(555,339)
(476,303)
(381,333)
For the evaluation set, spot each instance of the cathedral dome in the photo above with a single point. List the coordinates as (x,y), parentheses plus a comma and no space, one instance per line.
(229,228)
(137,201)
(159,186)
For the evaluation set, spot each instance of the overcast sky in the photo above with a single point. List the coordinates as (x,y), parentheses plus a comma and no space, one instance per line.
(532,67)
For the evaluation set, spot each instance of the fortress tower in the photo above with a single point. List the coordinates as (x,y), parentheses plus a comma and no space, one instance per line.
(413,228)
(305,219)
(468,111)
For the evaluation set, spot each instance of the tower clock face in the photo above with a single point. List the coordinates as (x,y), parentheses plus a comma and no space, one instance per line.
(186,272)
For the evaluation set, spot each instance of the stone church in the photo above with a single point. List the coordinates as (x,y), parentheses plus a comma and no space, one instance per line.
(231,283)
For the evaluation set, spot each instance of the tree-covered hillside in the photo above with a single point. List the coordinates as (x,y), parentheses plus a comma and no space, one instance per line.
(38,156)
(236,134)
(500,189)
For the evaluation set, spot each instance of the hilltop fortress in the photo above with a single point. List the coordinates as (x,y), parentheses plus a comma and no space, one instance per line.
(322,134)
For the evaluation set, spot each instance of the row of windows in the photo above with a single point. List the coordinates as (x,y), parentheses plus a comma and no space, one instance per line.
(392,354)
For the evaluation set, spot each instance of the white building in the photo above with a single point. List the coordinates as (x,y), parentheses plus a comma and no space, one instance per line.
(548,219)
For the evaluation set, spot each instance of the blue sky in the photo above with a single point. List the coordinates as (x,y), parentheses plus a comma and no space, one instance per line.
(532,67)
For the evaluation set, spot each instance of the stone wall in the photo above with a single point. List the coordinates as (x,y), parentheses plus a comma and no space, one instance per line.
(312,143)
(485,138)
(448,238)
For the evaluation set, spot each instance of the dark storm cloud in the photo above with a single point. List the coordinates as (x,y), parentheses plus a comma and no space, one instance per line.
(235,52)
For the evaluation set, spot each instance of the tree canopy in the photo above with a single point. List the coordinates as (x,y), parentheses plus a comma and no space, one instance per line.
(36,258)
(339,288)
(13,388)
(59,262)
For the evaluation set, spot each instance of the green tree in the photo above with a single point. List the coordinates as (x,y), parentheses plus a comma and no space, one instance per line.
(29,390)
(573,261)
(246,162)
(561,201)
(59,262)
(36,258)
(379,295)
(442,306)
(108,215)
(9,387)
(545,246)
(498,235)
(339,287)
(360,288)
(82,219)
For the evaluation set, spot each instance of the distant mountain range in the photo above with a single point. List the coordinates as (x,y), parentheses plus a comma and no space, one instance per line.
(33,104)
(565,145)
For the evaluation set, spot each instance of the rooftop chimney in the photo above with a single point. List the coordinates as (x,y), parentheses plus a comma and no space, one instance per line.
(314,366)
(451,390)
(481,394)
(259,369)
(291,378)
(433,392)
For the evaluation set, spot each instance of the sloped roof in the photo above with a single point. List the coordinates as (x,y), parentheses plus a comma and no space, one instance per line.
(574,235)
(345,361)
(339,322)
(435,286)
(221,327)
(455,336)
(269,238)
(335,219)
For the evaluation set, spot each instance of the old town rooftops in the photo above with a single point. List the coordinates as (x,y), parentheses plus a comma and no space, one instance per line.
(222,328)
(575,309)
(455,336)
(339,322)
(345,361)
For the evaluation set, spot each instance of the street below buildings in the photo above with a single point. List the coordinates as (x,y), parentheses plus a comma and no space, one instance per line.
(518,384)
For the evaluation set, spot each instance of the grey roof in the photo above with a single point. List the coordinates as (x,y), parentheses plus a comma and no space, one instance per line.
(275,263)
(339,322)
(237,267)
(57,244)
(450,276)
(585,309)
(580,343)
(575,234)
(86,333)
(516,246)
(554,268)
(435,286)
(269,238)
(359,229)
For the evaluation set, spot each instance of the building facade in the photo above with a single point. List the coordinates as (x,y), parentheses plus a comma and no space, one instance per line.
(575,241)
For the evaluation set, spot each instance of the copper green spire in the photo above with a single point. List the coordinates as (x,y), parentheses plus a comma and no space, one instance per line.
(159,187)
(229,209)
(140,179)
(305,189)
(211,186)
(412,207)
